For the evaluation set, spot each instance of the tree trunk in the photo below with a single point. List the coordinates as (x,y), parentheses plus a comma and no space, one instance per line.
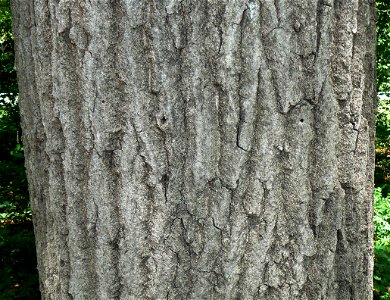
(199,149)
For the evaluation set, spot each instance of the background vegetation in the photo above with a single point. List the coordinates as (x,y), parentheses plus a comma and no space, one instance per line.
(18,274)
(383,47)
(382,168)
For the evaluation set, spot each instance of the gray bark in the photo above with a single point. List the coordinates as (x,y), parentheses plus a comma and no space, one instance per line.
(199,149)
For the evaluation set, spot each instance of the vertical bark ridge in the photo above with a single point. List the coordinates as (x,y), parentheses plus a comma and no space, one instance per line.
(200,149)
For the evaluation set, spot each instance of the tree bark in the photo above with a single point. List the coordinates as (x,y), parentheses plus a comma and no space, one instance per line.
(199,149)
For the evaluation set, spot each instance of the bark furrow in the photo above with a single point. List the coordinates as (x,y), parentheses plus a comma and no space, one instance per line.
(199,149)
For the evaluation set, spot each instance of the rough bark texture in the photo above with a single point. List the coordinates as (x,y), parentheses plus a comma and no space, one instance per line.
(199,149)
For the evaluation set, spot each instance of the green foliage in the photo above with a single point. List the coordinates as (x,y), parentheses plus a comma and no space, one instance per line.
(383,42)
(382,166)
(18,273)
(382,218)
(383,122)
(382,245)
(8,83)
(382,273)
(13,180)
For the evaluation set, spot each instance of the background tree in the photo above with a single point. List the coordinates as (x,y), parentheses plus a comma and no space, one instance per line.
(197,149)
